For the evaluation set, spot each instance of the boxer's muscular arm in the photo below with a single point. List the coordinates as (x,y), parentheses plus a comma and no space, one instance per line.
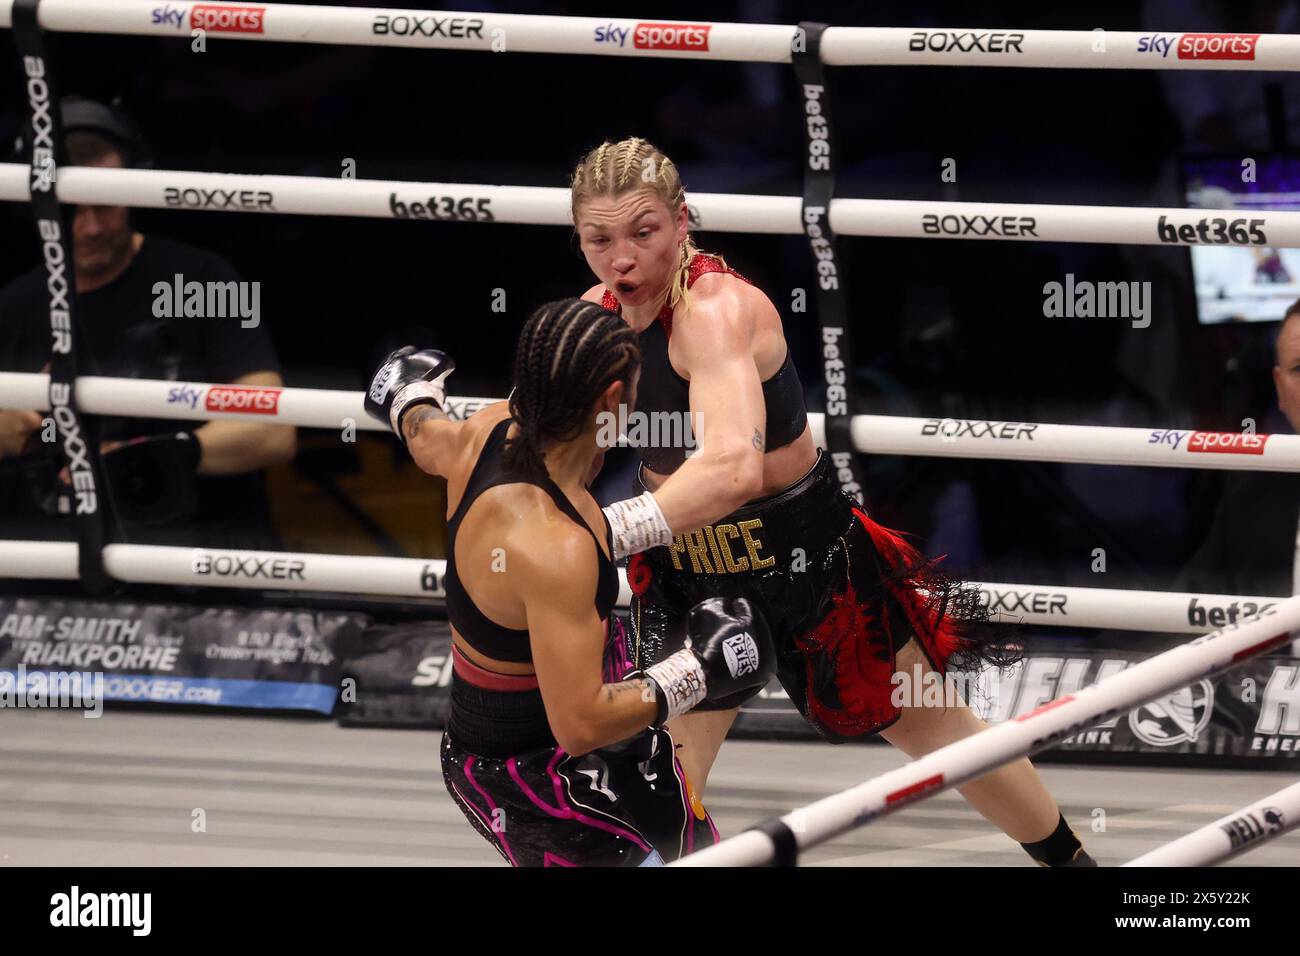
(433,440)
(436,443)
(714,342)
(554,568)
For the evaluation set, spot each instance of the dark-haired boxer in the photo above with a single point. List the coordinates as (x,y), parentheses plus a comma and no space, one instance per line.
(757,511)
(553,750)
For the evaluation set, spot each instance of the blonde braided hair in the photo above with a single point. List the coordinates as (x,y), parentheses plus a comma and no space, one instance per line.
(611,169)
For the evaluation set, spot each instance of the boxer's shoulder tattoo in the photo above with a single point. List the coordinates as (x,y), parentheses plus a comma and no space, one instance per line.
(758,441)
(416,417)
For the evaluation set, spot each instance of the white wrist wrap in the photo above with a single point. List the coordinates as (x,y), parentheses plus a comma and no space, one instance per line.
(681,680)
(637,524)
(416,391)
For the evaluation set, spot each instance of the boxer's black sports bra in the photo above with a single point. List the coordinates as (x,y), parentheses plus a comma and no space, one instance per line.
(479,631)
(661,389)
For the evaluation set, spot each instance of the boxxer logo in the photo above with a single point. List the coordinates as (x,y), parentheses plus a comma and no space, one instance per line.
(1001,227)
(74,447)
(942,42)
(951,429)
(251,200)
(56,283)
(452,28)
(1026,602)
(38,96)
(248,566)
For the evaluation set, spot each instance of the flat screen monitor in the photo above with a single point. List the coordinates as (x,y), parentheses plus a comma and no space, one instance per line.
(1252,283)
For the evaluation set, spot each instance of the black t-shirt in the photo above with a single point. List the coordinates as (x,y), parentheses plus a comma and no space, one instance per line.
(122,337)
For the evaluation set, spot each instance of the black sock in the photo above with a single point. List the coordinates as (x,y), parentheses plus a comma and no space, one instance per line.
(1058,849)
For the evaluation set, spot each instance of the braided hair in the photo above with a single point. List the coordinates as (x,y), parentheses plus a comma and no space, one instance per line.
(632,164)
(569,352)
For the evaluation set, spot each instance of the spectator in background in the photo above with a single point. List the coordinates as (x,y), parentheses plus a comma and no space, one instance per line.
(170,482)
(1252,546)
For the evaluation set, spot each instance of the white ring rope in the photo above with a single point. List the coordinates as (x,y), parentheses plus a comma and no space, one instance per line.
(649,37)
(872,434)
(1238,832)
(715,212)
(969,758)
(1035,604)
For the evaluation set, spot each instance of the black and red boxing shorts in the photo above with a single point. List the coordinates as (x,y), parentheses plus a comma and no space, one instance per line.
(841,594)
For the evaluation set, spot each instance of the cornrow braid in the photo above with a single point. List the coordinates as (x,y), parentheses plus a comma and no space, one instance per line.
(608,169)
(598,162)
(569,352)
(628,148)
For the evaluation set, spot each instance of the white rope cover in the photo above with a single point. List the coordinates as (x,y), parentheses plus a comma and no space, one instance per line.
(1167,611)
(716,212)
(1229,836)
(969,758)
(873,434)
(651,37)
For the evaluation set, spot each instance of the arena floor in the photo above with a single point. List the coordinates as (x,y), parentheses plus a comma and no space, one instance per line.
(123,790)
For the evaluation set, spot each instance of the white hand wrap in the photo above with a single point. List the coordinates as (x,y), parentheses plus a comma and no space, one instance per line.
(681,682)
(414,392)
(637,524)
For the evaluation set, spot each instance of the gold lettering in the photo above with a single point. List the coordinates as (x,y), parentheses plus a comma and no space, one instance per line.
(699,552)
(728,559)
(676,549)
(752,544)
(713,546)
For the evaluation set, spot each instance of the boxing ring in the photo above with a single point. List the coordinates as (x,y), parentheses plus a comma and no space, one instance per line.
(1265,626)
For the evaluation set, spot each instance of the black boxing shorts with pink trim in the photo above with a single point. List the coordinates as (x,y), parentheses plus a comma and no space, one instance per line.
(841,594)
(625,805)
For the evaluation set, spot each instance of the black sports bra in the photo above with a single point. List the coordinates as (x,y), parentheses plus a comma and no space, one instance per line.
(661,389)
(479,631)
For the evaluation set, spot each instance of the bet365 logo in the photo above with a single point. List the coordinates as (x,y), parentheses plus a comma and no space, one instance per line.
(1214,231)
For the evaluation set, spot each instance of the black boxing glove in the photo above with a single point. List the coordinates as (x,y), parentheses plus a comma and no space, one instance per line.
(728,651)
(408,377)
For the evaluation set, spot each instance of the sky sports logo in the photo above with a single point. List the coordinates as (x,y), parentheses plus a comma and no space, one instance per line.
(693,37)
(1223,443)
(168,16)
(254,401)
(1227,443)
(1217,46)
(218,18)
(1202,46)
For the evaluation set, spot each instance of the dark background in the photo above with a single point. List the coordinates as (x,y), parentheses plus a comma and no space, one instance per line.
(942,328)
